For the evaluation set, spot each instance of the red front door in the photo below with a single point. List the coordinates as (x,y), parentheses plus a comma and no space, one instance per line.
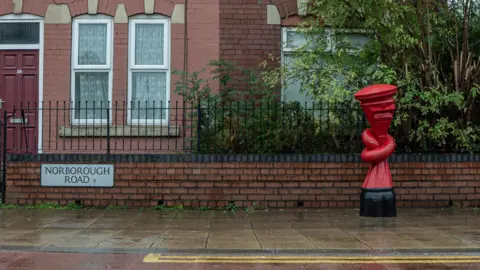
(19,91)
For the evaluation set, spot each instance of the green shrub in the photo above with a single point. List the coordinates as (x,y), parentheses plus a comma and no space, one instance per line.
(254,121)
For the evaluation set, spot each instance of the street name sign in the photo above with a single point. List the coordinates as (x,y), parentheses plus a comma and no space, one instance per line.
(76,175)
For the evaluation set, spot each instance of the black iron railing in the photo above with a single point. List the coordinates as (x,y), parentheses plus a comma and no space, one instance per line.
(235,127)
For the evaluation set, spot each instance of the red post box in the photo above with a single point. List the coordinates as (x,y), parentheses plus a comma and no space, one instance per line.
(377,198)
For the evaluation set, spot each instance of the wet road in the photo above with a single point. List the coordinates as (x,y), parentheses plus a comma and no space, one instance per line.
(52,260)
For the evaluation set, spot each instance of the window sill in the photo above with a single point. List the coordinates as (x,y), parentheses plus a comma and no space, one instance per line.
(120,131)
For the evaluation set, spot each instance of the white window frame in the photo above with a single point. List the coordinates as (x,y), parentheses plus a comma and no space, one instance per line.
(132,67)
(330,33)
(286,30)
(23,18)
(108,67)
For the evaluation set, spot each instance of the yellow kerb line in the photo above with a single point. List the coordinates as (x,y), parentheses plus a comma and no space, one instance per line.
(158,258)
(312,257)
(314,261)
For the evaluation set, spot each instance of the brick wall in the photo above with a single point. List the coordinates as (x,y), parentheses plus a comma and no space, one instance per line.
(245,36)
(269,184)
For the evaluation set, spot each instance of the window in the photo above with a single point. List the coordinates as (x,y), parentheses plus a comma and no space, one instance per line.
(355,40)
(20,33)
(292,39)
(149,70)
(92,44)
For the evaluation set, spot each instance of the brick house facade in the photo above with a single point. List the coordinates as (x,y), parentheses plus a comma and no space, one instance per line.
(61,76)
(53,51)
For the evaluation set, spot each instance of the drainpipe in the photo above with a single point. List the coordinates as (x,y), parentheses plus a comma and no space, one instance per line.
(185,60)
(185,39)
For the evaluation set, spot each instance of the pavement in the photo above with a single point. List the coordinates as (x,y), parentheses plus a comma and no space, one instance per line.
(290,239)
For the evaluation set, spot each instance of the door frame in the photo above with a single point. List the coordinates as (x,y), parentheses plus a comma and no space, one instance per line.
(24,47)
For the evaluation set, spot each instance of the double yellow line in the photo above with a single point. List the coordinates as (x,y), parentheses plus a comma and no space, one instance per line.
(158,258)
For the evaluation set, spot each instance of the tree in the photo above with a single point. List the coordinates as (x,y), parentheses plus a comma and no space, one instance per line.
(430,49)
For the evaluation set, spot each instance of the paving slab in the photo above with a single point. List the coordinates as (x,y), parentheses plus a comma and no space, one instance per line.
(35,221)
(82,238)
(246,245)
(36,237)
(322,229)
(132,239)
(232,233)
(286,244)
(189,224)
(179,243)
(73,223)
(289,233)
(325,241)
(186,234)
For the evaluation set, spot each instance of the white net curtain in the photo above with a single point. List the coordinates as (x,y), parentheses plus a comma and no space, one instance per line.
(91,88)
(92,44)
(91,95)
(149,95)
(149,84)
(149,42)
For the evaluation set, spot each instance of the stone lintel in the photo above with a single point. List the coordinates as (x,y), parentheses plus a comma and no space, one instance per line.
(58,14)
(17,6)
(121,15)
(178,15)
(273,16)
(92,7)
(149,6)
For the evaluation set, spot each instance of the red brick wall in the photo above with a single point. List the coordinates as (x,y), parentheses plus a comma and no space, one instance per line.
(281,184)
(245,36)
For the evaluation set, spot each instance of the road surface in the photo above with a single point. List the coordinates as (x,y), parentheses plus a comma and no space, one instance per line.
(64,260)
